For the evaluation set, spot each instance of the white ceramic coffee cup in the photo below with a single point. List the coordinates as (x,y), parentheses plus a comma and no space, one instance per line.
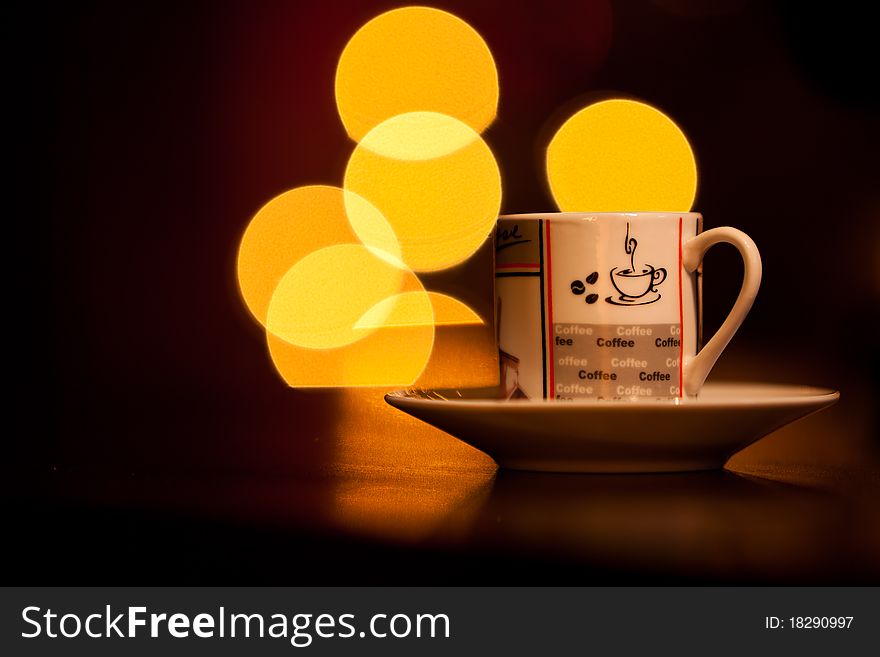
(608,305)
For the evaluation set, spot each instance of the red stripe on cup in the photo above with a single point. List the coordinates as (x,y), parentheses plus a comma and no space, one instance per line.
(680,319)
(550,364)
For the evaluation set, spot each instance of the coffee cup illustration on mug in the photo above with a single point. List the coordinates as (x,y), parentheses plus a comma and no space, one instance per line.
(579,317)
(637,286)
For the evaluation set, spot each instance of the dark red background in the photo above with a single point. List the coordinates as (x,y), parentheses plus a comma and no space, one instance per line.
(145,136)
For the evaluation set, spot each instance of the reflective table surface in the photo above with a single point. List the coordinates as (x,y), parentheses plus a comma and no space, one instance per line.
(337,487)
(475,526)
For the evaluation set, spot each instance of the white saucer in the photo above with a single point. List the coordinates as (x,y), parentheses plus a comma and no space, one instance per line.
(604,436)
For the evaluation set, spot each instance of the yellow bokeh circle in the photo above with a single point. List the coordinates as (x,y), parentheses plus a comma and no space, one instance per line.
(381,356)
(317,303)
(409,309)
(329,271)
(440,208)
(293,225)
(419,136)
(621,155)
(415,59)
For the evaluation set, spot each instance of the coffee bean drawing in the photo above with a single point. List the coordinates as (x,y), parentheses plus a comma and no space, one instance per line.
(578,288)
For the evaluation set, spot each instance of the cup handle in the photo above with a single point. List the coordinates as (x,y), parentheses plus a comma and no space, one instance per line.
(657,277)
(697,368)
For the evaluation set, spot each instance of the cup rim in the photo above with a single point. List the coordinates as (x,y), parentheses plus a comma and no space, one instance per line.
(556,216)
